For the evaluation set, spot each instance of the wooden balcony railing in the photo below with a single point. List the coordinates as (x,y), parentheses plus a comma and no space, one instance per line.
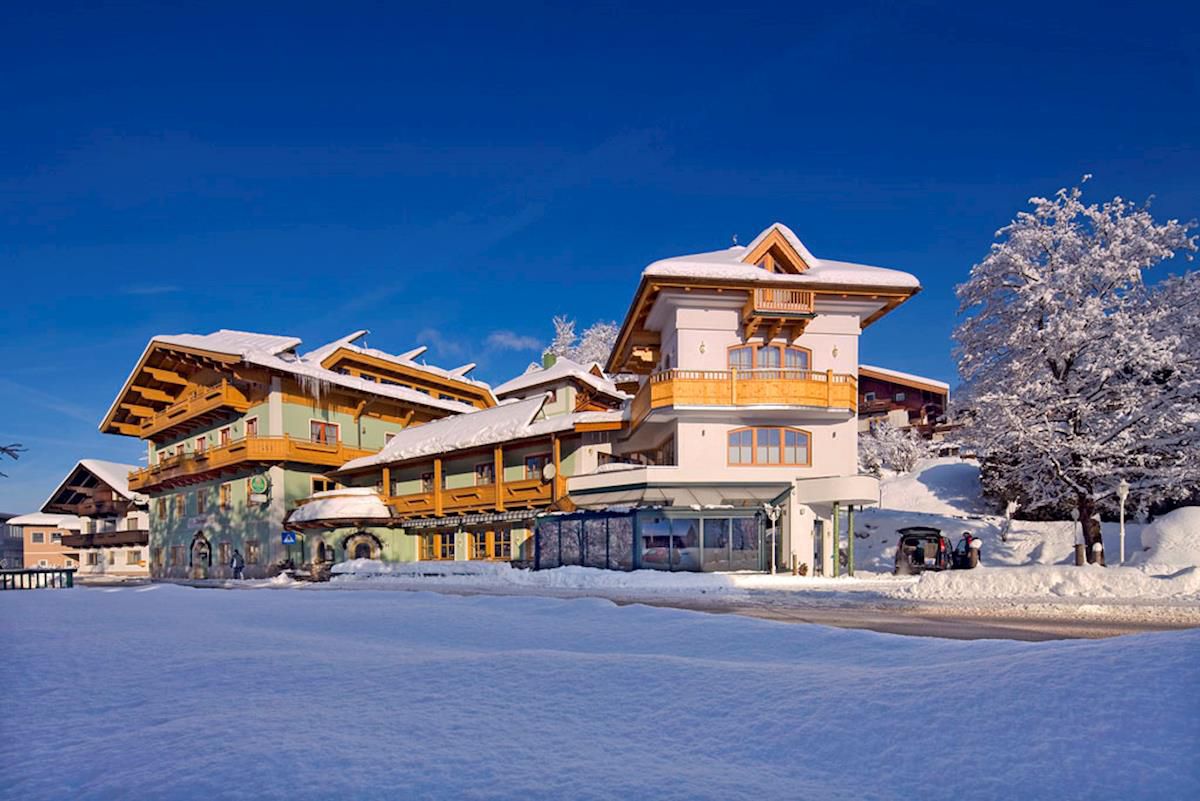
(769,387)
(527,493)
(193,467)
(200,402)
(766,300)
(107,539)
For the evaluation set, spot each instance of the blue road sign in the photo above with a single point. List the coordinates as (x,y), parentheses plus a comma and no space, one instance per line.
(288,537)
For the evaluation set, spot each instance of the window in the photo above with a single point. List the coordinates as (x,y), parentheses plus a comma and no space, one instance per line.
(900,397)
(201,444)
(225,435)
(252,552)
(161,506)
(427,482)
(769,357)
(56,537)
(180,504)
(38,537)
(869,397)
(741,358)
(534,465)
(388,437)
(251,427)
(93,558)
(502,544)
(112,557)
(769,446)
(43,563)
(485,474)
(156,556)
(133,557)
(224,553)
(201,501)
(437,547)
(741,446)
(325,433)
(322,484)
(177,555)
(225,496)
(479,549)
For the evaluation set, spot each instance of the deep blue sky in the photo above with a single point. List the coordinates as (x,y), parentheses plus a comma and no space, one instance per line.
(441,173)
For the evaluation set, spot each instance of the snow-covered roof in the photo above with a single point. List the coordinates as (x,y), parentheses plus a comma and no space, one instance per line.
(70,522)
(562,370)
(511,420)
(408,359)
(727,264)
(899,376)
(114,474)
(351,503)
(279,353)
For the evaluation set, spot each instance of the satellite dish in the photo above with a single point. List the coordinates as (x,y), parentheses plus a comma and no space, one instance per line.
(548,472)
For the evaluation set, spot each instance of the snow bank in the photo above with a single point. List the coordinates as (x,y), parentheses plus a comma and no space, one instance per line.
(1171,542)
(495,575)
(1054,581)
(943,486)
(369,695)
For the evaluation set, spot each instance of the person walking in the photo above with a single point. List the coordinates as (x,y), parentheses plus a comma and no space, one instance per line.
(237,563)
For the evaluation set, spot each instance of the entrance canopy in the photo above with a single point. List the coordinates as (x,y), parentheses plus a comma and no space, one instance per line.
(693,496)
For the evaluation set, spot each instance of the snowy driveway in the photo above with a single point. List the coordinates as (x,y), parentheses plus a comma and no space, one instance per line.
(170,692)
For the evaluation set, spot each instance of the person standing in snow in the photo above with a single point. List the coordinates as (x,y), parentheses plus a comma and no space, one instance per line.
(237,563)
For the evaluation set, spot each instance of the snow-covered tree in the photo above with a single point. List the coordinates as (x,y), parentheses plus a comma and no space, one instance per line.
(595,345)
(891,447)
(1077,373)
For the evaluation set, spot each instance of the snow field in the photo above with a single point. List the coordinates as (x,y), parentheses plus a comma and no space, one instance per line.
(170,692)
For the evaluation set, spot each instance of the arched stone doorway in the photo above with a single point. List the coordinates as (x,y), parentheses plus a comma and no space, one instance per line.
(201,556)
(362,545)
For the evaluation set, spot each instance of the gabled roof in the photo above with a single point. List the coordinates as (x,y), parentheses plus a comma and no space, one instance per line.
(510,421)
(114,474)
(322,356)
(67,522)
(279,353)
(561,371)
(908,379)
(731,264)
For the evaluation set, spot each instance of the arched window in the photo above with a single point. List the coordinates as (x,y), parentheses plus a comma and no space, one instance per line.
(769,357)
(770,446)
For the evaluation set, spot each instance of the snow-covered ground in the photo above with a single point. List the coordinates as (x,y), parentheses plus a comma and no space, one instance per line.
(1028,565)
(162,691)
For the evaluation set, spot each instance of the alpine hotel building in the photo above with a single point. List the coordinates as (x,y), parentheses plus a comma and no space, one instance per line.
(720,435)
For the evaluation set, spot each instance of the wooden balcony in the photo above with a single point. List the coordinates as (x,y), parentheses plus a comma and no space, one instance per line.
(745,388)
(776,300)
(524,494)
(192,468)
(107,539)
(774,310)
(196,408)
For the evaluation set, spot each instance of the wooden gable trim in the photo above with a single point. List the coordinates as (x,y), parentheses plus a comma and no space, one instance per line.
(475,395)
(867,372)
(774,246)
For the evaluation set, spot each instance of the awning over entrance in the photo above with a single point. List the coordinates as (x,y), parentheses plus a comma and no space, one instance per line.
(462,521)
(695,496)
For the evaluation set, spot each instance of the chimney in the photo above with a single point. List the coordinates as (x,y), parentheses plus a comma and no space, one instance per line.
(548,360)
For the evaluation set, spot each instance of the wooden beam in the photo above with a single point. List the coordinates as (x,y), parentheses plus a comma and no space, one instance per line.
(139,410)
(437,487)
(387,483)
(128,429)
(152,394)
(498,468)
(166,376)
(555,488)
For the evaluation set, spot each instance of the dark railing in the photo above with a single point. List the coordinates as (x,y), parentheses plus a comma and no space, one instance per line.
(38,578)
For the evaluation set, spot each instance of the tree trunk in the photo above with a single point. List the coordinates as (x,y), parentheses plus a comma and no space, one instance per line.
(1091,529)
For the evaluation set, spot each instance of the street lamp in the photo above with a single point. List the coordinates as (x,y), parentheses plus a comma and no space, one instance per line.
(1122,494)
(773,513)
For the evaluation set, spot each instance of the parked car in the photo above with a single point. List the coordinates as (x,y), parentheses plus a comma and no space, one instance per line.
(921,548)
